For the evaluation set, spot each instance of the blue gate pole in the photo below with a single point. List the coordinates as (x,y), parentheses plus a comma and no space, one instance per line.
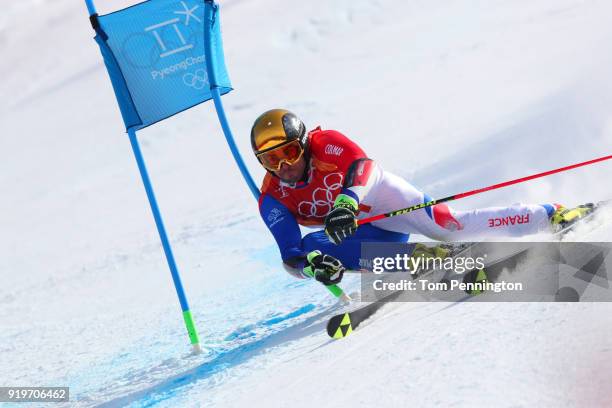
(187,316)
(210,6)
(90,7)
(230,141)
(216,94)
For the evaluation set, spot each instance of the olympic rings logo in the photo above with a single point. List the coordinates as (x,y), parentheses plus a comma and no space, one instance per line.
(197,80)
(322,198)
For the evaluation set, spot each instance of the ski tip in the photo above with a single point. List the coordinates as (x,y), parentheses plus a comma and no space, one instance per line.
(340,326)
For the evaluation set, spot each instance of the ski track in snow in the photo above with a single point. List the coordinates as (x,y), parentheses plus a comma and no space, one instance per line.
(452,95)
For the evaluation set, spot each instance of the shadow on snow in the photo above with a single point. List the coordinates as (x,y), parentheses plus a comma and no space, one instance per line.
(227,358)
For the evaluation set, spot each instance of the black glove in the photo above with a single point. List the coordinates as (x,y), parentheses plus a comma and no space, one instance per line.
(324,268)
(341,222)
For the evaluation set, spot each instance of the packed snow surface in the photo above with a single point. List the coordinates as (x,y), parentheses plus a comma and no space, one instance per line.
(452,95)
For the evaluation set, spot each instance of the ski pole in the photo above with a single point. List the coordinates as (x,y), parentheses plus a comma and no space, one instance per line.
(477,191)
(334,290)
(339,293)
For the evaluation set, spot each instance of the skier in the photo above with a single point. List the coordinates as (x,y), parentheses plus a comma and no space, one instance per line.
(322,178)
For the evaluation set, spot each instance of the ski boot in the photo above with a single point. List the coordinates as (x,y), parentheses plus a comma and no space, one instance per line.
(564,217)
(440,251)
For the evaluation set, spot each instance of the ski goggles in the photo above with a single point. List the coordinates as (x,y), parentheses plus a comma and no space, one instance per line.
(289,152)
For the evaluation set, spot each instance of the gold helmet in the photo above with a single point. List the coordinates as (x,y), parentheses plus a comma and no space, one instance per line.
(278,136)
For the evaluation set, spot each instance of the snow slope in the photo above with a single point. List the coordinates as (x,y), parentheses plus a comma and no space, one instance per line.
(453,95)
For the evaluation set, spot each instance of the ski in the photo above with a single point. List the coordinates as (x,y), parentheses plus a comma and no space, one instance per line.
(343,324)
